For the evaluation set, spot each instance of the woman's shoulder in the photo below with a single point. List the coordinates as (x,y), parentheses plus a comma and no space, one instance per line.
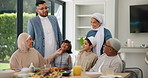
(107,34)
(91,33)
(106,30)
(16,52)
(33,50)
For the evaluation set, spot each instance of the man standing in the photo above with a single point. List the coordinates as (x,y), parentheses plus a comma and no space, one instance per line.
(44,30)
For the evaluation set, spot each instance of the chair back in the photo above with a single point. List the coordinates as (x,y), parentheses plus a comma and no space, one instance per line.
(123,66)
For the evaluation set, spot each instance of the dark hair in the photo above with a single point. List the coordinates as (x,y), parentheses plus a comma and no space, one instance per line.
(96,19)
(40,2)
(89,42)
(70,46)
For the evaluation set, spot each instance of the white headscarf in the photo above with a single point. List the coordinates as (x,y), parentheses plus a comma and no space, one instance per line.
(100,33)
(22,42)
(92,40)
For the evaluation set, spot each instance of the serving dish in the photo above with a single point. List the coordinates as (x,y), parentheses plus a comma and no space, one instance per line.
(66,72)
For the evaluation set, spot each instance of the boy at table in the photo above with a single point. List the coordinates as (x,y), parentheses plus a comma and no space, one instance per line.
(110,59)
(87,58)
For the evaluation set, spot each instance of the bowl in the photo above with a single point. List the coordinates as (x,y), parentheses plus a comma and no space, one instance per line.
(66,72)
(113,76)
(7,74)
(93,74)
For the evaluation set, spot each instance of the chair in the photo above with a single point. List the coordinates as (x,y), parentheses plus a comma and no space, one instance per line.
(135,72)
(123,66)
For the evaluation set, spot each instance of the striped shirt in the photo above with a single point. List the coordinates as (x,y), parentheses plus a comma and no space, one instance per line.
(63,60)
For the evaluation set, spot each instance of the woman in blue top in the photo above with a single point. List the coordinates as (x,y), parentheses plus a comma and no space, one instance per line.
(99,31)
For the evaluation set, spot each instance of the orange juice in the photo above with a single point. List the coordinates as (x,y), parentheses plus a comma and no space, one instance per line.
(77,70)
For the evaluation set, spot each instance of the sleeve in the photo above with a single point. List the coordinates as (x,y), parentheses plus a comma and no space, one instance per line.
(95,60)
(117,67)
(95,67)
(31,29)
(107,34)
(53,62)
(77,60)
(13,62)
(50,59)
(42,61)
(70,62)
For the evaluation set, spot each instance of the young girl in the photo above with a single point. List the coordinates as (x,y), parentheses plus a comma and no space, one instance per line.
(87,59)
(63,60)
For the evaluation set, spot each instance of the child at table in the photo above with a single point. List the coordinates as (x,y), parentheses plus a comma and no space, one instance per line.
(87,58)
(63,60)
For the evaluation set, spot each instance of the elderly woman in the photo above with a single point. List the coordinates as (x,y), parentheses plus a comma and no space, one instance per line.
(98,31)
(25,55)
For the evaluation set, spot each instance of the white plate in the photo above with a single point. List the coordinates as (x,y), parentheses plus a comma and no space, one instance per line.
(119,76)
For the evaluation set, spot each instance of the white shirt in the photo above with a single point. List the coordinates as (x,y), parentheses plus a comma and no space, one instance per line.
(50,41)
(105,62)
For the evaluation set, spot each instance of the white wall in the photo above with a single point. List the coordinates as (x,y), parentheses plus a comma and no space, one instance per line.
(109,16)
(124,34)
(70,21)
(124,26)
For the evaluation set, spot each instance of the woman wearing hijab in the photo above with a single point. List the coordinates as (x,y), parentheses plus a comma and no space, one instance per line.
(99,31)
(25,55)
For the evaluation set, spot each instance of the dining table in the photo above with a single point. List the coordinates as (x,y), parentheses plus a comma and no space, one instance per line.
(83,75)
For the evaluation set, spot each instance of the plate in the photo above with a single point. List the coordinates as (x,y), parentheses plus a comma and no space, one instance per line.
(114,76)
(93,74)
(66,72)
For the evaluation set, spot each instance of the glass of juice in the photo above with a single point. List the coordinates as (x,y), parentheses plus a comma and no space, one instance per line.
(77,70)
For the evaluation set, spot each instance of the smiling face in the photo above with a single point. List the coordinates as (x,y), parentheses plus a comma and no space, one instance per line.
(94,23)
(42,10)
(29,42)
(65,47)
(86,46)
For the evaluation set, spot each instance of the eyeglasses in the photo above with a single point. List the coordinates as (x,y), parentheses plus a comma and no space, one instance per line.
(43,8)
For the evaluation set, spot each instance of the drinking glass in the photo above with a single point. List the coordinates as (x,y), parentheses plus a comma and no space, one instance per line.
(77,70)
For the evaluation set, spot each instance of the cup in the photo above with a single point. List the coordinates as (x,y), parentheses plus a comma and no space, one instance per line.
(77,70)
(110,72)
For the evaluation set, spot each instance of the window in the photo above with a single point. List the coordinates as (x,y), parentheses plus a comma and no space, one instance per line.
(28,12)
(14,15)
(7,31)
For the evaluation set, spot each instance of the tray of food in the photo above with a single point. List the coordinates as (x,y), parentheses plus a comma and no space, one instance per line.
(53,72)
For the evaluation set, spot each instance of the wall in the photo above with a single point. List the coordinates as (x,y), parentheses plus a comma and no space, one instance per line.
(109,11)
(70,22)
(124,34)
(123,23)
